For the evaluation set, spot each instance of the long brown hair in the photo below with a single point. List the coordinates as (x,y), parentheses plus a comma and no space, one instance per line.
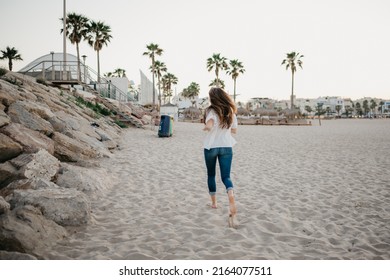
(223,106)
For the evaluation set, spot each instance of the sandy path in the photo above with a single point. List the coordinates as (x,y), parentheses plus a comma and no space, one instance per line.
(302,193)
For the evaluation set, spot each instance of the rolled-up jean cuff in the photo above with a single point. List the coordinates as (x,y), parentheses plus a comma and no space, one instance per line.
(228,189)
(212,193)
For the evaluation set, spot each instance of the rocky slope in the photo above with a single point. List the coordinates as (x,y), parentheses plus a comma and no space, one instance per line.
(51,140)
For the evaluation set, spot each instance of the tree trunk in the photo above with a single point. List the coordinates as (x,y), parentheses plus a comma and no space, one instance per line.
(159,94)
(292,89)
(98,66)
(216,74)
(154,90)
(234,96)
(10,64)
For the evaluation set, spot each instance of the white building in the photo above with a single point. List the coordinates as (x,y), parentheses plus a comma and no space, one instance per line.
(146,91)
(119,89)
(170,110)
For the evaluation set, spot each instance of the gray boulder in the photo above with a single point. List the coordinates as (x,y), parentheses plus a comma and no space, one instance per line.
(30,140)
(19,113)
(4,119)
(8,148)
(4,206)
(26,184)
(39,165)
(92,182)
(4,255)
(71,150)
(66,207)
(25,166)
(26,230)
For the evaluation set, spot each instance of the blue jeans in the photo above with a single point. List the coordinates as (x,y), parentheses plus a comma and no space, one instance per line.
(224,156)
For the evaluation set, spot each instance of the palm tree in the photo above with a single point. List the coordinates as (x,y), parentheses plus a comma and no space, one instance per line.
(217,63)
(10,54)
(358,109)
(291,62)
(320,111)
(217,83)
(191,92)
(98,35)
(236,68)
(168,80)
(338,109)
(372,106)
(366,108)
(158,69)
(119,72)
(153,50)
(76,30)
(308,109)
(348,110)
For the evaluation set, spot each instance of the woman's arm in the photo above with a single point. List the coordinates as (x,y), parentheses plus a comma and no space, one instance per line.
(209,125)
(234,130)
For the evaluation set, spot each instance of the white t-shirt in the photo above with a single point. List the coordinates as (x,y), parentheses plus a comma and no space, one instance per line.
(219,137)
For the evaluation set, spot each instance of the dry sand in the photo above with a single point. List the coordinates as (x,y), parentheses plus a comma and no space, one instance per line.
(319,192)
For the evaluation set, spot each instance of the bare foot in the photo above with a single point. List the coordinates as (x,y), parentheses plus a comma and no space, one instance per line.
(232,204)
(233,210)
(233,221)
(213,201)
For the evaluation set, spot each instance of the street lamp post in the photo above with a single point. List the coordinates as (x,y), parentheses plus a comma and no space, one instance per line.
(85,72)
(52,65)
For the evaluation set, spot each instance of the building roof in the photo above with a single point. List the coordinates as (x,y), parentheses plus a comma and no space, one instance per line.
(36,65)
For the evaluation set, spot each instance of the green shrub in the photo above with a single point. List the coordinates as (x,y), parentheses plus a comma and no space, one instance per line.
(105,112)
(120,124)
(96,107)
(41,81)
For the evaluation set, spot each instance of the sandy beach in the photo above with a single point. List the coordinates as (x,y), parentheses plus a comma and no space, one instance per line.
(309,192)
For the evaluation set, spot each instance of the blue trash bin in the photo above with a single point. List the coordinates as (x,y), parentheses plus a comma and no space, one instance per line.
(164,129)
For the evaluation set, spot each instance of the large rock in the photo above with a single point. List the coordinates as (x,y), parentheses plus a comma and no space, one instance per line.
(4,206)
(19,113)
(25,166)
(40,109)
(59,125)
(39,165)
(92,182)
(4,119)
(66,207)
(77,123)
(6,96)
(30,140)
(5,255)
(107,139)
(71,150)
(8,148)
(98,146)
(8,173)
(26,230)
(25,184)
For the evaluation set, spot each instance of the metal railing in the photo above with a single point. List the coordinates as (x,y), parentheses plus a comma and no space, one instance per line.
(58,72)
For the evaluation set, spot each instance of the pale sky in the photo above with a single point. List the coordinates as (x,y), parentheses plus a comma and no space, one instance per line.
(345,43)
